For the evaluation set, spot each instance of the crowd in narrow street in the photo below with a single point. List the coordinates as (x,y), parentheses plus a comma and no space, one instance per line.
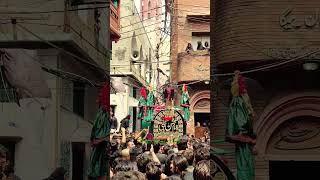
(130,158)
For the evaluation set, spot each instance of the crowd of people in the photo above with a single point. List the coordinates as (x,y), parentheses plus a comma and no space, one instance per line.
(131,157)
(134,159)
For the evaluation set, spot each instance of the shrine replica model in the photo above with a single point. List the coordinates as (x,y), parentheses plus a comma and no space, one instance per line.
(163,122)
(166,125)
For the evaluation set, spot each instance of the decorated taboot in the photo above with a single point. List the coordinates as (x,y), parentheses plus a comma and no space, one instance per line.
(168,124)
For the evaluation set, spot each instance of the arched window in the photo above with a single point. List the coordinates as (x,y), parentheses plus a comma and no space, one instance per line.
(149,9)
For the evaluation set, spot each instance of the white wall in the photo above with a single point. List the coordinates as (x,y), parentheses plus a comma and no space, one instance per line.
(122,107)
(130,25)
(35,154)
(41,131)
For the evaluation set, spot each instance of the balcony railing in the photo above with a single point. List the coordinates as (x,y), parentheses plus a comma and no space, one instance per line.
(138,75)
(128,70)
(114,21)
(193,66)
(88,44)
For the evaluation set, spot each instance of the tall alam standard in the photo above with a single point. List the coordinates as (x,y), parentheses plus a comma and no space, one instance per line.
(99,137)
(239,128)
(274,44)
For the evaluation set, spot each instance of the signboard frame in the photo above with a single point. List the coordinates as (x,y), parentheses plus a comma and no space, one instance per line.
(160,117)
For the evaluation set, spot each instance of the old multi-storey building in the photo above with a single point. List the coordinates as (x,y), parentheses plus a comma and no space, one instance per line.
(115,20)
(154,16)
(131,64)
(276,41)
(58,57)
(190,24)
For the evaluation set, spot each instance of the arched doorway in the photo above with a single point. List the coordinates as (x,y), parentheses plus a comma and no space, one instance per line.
(199,110)
(288,135)
(299,136)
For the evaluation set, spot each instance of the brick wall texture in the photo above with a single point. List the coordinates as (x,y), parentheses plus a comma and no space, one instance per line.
(189,67)
(245,31)
(182,29)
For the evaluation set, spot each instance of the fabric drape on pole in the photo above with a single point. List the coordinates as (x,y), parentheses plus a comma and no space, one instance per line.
(184,102)
(143,108)
(99,166)
(98,157)
(239,122)
(244,160)
(23,71)
(239,128)
(238,118)
(150,106)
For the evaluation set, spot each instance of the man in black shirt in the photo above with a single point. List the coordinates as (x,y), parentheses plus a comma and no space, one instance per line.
(113,122)
(125,122)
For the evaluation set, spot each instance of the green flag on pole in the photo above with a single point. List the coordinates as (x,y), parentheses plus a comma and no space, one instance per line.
(98,167)
(239,128)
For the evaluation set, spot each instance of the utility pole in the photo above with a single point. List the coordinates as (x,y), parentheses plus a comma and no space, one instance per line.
(171,35)
(213,65)
(66,26)
(158,70)
(158,64)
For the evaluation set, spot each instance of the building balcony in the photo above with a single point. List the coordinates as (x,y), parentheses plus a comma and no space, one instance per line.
(71,31)
(86,40)
(128,70)
(193,66)
(115,21)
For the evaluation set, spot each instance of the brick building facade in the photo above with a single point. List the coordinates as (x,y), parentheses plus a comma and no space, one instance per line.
(278,35)
(150,9)
(190,24)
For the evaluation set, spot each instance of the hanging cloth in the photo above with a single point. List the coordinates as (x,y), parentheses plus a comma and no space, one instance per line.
(239,125)
(245,162)
(184,103)
(142,103)
(99,136)
(239,128)
(150,106)
(143,114)
(98,157)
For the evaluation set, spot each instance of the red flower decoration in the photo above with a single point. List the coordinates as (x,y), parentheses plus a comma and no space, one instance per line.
(143,93)
(167,118)
(149,136)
